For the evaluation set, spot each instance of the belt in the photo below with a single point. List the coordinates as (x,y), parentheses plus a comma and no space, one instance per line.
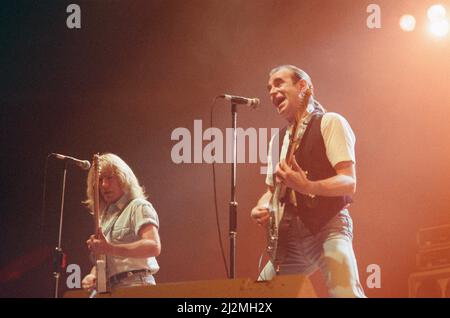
(115,279)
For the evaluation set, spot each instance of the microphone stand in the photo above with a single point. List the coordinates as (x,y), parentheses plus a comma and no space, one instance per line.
(59,257)
(233,203)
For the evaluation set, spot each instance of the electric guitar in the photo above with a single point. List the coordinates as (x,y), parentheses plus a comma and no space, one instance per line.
(281,193)
(100,262)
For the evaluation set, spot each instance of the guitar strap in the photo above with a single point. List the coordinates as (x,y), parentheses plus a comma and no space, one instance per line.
(286,220)
(111,224)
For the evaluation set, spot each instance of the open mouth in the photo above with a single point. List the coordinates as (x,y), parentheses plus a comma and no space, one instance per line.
(278,101)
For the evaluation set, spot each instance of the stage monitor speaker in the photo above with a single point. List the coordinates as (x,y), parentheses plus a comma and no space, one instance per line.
(286,286)
(434,236)
(433,258)
(430,284)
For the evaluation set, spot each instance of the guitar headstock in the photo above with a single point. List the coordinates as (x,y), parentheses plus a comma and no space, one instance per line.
(96,168)
(305,94)
(95,160)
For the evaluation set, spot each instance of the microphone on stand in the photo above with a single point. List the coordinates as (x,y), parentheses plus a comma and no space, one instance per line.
(83,164)
(251,102)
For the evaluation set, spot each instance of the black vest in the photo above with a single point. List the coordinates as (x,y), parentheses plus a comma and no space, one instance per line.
(311,156)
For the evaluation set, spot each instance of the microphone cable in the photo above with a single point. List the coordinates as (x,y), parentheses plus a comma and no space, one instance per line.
(215,196)
(43,203)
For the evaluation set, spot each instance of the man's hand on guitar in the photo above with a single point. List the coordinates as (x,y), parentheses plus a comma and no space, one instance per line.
(294,178)
(88,282)
(260,215)
(98,244)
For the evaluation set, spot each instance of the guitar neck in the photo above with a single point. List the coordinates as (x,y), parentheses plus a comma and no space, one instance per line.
(97,225)
(293,141)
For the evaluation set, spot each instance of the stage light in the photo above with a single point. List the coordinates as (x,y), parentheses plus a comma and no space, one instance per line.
(439,28)
(436,12)
(407,23)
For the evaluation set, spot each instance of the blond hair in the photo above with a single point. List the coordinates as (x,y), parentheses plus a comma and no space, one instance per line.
(127,180)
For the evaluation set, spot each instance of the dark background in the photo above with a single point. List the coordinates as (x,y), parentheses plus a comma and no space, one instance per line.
(136,70)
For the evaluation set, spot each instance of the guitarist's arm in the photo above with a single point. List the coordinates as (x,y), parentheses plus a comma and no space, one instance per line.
(343,183)
(149,245)
(260,213)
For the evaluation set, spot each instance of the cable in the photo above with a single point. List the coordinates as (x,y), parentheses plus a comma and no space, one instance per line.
(215,198)
(44,190)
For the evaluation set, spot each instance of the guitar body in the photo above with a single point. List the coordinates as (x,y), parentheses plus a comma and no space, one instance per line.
(102,279)
(100,263)
(276,211)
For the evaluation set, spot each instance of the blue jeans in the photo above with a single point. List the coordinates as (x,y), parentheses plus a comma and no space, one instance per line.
(330,250)
(138,279)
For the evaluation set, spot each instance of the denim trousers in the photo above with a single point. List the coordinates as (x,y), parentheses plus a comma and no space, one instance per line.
(138,279)
(330,250)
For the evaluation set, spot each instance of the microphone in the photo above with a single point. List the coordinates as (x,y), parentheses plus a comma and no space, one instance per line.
(252,102)
(83,164)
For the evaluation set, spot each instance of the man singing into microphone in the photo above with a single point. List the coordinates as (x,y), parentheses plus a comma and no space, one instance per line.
(130,237)
(316,229)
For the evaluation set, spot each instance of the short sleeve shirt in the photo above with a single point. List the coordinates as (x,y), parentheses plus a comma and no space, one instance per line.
(121,223)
